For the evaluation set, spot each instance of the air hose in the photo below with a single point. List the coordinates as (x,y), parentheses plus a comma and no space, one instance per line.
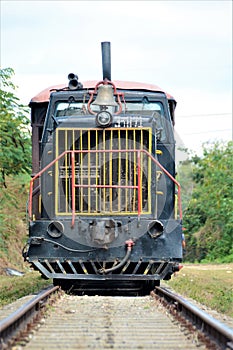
(39,240)
(129,244)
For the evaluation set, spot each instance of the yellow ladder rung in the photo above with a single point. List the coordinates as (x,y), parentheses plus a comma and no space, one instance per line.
(158,174)
(39,204)
(160,193)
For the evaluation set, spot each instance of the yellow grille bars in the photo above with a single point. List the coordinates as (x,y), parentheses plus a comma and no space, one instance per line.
(116,164)
(103,172)
(72,154)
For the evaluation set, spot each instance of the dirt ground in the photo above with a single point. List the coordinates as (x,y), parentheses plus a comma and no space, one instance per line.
(228,267)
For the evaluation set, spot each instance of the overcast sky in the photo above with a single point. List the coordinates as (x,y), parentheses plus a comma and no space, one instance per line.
(185,47)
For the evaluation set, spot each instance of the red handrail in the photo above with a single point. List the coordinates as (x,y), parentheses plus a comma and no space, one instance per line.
(171,177)
(74,185)
(36,177)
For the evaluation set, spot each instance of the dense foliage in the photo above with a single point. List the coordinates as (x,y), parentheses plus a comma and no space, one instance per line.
(15,138)
(208,217)
(15,164)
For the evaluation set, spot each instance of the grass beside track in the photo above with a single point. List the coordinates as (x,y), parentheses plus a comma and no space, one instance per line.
(12,288)
(210,285)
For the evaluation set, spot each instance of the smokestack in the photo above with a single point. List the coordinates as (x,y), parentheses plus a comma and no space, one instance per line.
(106,59)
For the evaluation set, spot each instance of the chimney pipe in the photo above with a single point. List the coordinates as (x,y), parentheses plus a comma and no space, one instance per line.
(106,59)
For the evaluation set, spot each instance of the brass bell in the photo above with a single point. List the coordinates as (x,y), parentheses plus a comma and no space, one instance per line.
(105,96)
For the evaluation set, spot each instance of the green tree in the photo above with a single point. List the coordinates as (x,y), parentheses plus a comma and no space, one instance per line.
(15,141)
(208,218)
(15,164)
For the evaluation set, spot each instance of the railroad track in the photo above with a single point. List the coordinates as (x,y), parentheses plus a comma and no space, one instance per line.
(102,322)
(12,326)
(213,332)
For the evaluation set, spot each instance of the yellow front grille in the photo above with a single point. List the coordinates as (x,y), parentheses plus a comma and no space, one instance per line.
(115,173)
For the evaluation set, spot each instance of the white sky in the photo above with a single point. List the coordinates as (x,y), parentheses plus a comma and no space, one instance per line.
(185,47)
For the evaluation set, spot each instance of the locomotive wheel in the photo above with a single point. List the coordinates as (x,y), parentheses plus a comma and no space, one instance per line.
(148,286)
(65,285)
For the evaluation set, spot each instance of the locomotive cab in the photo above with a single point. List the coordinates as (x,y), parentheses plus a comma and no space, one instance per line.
(104,204)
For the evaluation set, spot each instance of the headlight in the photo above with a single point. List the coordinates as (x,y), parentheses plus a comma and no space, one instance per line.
(55,229)
(103,118)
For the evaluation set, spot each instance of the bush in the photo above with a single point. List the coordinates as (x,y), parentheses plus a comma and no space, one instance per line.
(208,218)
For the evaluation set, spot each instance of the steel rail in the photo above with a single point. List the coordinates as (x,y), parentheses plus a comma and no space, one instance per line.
(18,320)
(216,331)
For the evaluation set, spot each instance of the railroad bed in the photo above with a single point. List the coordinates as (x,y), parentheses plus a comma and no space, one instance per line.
(101,322)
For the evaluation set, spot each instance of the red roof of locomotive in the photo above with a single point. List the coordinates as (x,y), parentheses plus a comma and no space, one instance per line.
(44,95)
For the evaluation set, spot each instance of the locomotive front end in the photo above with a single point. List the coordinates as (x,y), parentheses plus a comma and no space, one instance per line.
(105,204)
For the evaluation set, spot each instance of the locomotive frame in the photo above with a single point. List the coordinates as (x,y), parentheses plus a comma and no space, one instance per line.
(104,204)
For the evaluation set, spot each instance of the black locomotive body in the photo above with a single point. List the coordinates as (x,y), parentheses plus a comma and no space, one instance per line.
(104,204)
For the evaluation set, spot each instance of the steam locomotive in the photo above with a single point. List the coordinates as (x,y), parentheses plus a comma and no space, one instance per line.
(104,205)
